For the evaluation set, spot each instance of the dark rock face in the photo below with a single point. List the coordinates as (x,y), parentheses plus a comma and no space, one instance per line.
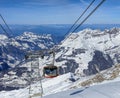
(16,75)
(76,52)
(117,57)
(4,66)
(101,61)
(70,66)
(8,88)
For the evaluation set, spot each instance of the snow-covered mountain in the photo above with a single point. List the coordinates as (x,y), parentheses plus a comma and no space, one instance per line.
(102,85)
(89,51)
(62,86)
(84,53)
(12,50)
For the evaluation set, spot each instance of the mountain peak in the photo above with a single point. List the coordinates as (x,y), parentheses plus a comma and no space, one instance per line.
(3,37)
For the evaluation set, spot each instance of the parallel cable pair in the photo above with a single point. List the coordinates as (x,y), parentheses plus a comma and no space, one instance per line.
(5,31)
(68,32)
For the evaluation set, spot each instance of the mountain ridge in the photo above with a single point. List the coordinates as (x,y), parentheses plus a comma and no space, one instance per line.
(13,50)
(84,53)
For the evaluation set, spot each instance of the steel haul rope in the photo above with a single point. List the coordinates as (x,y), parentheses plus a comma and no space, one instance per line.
(89,14)
(6,24)
(80,16)
(84,19)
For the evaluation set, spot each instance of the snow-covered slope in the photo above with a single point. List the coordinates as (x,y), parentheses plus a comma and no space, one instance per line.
(12,50)
(3,37)
(108,90)
(57,84)
(60,87)
(33,41)
(84,53)
(88,51)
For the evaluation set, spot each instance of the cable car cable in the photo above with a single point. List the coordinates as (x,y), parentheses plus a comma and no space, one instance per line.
(6,23)
(84,20)
(4,30)
(90,14)
(80,16)
(12,40)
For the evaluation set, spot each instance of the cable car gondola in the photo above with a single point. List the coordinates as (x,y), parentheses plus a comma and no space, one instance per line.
(50,70)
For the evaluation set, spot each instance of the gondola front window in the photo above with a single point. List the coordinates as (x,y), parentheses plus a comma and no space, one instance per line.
(50,71)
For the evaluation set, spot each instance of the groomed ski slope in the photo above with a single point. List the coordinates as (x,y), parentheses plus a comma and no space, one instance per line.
(59,87)
(107,90)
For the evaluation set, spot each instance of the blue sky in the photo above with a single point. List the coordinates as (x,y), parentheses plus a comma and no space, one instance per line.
(57,11)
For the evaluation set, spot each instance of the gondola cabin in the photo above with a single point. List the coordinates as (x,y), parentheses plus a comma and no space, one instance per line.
(50,71)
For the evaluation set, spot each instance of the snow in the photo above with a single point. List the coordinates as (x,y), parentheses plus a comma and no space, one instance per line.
(42,46)
(89,41)
(109,90)
(54,85)
(3,37)
(61,87)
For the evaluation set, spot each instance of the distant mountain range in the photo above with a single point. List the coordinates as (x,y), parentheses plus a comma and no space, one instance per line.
(13,50)
(56,30)
(84,53)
